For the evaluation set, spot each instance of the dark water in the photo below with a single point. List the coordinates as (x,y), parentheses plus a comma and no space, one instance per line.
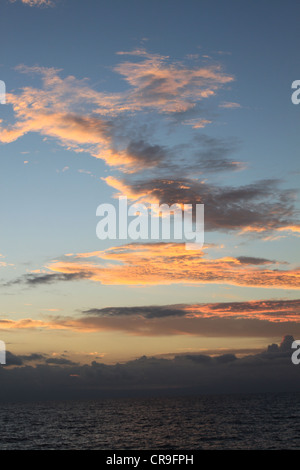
(258,421)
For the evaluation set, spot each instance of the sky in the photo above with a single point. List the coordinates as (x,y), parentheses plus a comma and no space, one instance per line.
(162,103)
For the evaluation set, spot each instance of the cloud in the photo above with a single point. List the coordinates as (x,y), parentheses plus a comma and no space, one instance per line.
(197,123)
(61,361)
(167,85)
(81,119)
(66,110)
(212,154)
(261,319)
(4,264)
(36,358)
(162,264)
(257,261)
(48,278)
(12,359)
(229,104)
(268,371)
(233,319)
(85,120)
(146,155)
(257,208)
(202,155)
(147,312)
(271,310)
(20,360)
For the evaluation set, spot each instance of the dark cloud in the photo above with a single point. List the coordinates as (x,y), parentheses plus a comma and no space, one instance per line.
(32,357)
(268,371)
(283,348)
(202,156)
(260,205)
(41,279)
(225,358)
(146,154)
(144,312)
(212,154)
(13,360)
(255,261)
(61,361)
(20,360)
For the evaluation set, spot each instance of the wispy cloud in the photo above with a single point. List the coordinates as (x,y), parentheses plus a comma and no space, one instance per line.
(169,85)
(84,120)
(46,278)
(230,105)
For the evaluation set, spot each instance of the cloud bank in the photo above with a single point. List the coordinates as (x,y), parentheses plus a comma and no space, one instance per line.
(269,371)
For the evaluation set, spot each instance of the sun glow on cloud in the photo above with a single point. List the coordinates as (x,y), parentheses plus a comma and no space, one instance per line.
(265,318)
(170,263)
(84,120)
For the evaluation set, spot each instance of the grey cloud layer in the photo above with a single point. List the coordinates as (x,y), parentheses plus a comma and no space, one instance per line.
(271,370)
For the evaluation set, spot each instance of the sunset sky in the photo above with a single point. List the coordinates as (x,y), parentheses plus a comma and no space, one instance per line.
(162,102)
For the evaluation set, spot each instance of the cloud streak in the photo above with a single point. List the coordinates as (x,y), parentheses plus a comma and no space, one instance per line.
(261,319)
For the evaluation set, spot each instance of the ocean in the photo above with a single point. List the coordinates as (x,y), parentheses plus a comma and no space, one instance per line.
(254,421)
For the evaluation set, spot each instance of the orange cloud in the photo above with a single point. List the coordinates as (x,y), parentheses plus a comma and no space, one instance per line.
(167,85)
(291,228)
(269,310)
(80,118)
(171,263)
